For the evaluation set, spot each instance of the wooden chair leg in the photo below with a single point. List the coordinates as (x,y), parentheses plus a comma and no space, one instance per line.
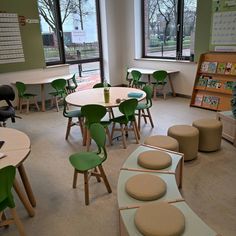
(86,187)
(56,102)
(139,119)
(88,140)
(150,117)
(75,178)
(81,124)
(103,175)
(97,176)
(68,127)
(109,136)
(36,103)
(17,222)
(123,135)
(85,136)
(144,116)
(20,104)
(112,130)
(3,218)
(135,129)
(155,92)
(27,106)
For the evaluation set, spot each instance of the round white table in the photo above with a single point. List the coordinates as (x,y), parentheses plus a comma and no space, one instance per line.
(16,147)
(96,96)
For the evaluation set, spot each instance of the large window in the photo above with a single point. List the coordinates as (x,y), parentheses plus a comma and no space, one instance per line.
(168,28)
(71,32)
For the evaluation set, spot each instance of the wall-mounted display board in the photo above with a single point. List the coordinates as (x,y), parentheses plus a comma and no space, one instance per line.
(21,46)
(11,48)
(223,30)
(214,80)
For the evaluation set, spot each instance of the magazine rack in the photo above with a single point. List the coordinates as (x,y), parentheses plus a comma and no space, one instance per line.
(216,73)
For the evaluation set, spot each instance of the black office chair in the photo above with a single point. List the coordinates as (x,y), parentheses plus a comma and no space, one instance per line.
(8,111)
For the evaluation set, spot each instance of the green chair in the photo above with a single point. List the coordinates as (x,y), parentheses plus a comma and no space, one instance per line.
(71,85)
(7,176)
(60,92)
(24,98)
(94,113)
(160,82)
(127,108)
(88,163)
(101,85)
(70,115)
(145,106)
(136,76)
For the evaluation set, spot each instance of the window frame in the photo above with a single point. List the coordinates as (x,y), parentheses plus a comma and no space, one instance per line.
(62,46)
(179,33)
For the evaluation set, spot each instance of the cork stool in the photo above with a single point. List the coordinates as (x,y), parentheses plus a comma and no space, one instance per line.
(188,137)
(210,131)
(163,141)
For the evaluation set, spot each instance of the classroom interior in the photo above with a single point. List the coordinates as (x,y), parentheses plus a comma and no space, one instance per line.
(207,181)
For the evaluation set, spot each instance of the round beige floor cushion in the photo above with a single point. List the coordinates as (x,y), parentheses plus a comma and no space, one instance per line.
(162,141)
(154,160)
(145,187)
(159,219)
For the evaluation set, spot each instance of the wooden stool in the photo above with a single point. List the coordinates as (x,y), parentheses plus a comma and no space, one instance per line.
(163,141)
(188,138)
(210,131)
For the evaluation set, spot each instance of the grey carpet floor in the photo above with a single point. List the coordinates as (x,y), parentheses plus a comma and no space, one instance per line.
(208,183)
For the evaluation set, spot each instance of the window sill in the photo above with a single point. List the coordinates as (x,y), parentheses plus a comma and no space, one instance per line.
(165,60)
(56,66)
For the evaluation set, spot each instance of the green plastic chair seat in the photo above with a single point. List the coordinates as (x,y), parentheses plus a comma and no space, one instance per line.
(58,93)
(142,106)
(28,95)
(85,160)
(101,85)
(123,119)
(72,84)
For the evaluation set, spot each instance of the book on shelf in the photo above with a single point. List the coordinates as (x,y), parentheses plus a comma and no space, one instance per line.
(204,67)
(212,83)
(228,68)
(228,85)
(212,67)
(198,99)
(233,69)
(221,67)
(202,81)
(210,101)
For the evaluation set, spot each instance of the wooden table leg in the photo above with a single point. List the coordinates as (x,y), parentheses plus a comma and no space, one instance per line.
(171,85)
(43,97)
(23,199)
(27,186)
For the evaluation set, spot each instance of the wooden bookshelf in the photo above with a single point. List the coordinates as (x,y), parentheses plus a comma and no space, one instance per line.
(214,79)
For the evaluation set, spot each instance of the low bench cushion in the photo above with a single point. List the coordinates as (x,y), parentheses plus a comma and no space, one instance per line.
(159,219)
(145,187)
(154,160)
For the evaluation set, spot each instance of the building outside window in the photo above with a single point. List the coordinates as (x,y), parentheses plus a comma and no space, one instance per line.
(168,28)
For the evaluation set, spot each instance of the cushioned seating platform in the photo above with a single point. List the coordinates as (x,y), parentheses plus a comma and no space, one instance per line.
(210,132)
(145,187)
(159,219)
(154,160)
(162,141)
(188,138)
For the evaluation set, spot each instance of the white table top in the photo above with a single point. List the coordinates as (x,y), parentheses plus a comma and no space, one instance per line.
(95,96)
(16,147)
(146,71)
(36,80)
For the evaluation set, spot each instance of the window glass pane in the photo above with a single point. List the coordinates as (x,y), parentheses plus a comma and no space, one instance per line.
(160,27)
(49,30)
(79,29)
(189,27)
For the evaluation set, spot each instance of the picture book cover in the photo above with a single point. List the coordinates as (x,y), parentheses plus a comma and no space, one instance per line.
(198,99)
(228,85)
(212,67)
(221,67)
(210,101)
(228,68)
(212,83)
(202,81)
(204,66)
(233,69)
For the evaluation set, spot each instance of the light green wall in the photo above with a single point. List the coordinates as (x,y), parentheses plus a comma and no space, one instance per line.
(203,27)
(30,33)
